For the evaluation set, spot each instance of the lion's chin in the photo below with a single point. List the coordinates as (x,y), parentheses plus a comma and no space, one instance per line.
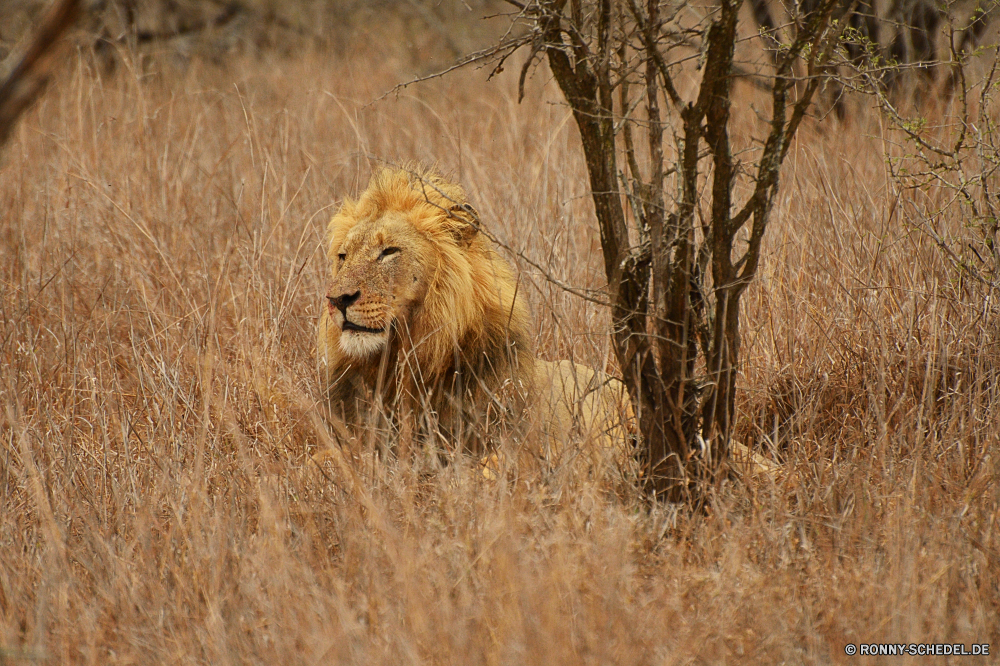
(359,344)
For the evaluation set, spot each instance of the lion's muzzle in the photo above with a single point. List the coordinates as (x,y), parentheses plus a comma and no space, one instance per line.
(342,303)
(361,317)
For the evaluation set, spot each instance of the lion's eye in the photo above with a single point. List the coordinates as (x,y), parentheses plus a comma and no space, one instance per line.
(389,251)
(342,256)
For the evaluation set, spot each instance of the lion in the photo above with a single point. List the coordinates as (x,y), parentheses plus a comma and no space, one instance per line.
(423,318)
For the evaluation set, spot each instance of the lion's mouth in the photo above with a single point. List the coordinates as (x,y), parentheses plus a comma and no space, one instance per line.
(351,326)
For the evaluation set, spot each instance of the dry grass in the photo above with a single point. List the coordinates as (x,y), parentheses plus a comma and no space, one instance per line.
(160,280)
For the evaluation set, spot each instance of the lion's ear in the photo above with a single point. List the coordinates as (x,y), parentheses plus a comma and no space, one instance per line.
(466,220)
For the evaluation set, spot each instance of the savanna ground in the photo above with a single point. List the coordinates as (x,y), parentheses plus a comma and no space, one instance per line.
(161,275)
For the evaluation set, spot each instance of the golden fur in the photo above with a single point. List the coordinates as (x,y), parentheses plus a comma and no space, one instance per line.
(578,404)
(423,316)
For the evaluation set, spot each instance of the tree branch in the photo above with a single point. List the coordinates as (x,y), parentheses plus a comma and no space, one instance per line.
(29,78)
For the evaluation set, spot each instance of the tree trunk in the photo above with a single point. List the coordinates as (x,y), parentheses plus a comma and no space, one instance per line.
(662,304)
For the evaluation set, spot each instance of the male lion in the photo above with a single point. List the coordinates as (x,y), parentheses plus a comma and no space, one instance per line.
(423,317)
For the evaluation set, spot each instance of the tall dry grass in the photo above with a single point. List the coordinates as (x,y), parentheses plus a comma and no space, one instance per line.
(162,275)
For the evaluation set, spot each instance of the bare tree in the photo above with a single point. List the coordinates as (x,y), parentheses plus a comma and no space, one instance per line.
(29,77)
(946,167)
(679,248)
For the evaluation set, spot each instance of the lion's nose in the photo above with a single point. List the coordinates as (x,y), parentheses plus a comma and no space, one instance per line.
(344,301)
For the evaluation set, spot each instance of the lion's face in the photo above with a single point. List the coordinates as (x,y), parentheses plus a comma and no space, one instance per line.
(378,276)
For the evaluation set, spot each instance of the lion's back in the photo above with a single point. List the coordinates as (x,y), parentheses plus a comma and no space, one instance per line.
(580,405)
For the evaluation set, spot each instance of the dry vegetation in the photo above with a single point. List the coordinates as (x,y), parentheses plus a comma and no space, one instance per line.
(160,280)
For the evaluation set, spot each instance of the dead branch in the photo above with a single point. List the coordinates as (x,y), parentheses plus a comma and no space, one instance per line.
(29,78)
